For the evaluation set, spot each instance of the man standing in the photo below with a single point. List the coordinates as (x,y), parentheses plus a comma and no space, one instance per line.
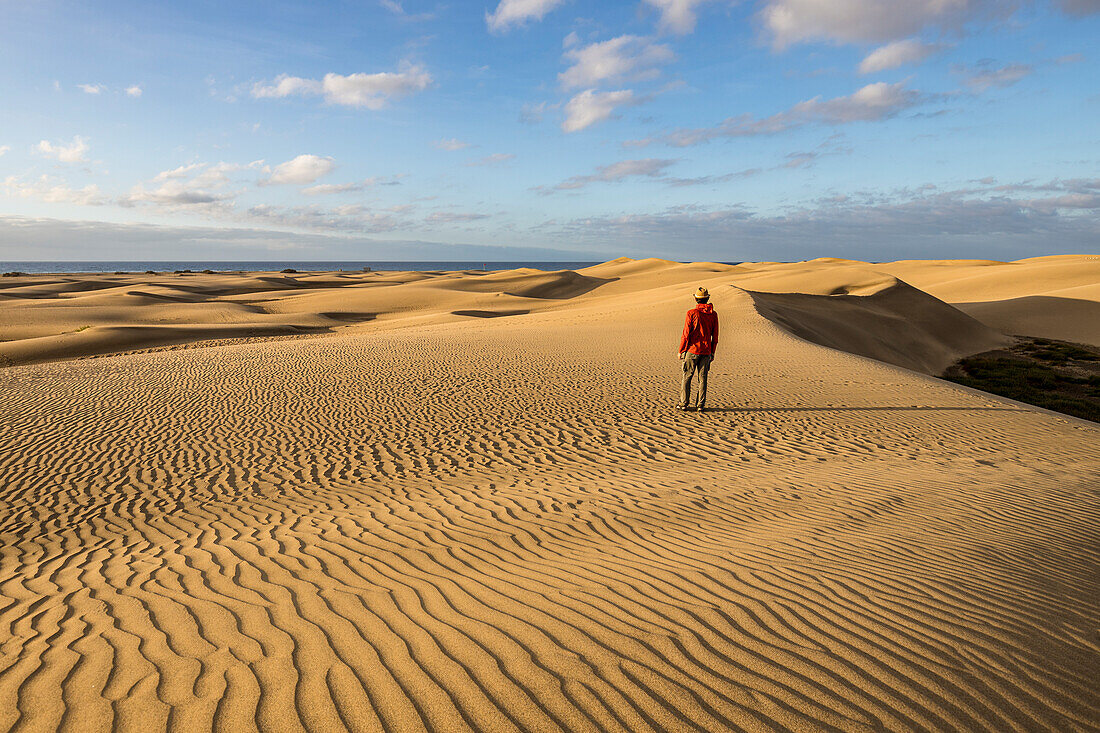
(697,346)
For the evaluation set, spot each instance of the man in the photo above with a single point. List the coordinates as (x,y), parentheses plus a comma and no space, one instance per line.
(697,346)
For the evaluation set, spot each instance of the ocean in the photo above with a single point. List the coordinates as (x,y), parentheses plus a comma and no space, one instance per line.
(255,266)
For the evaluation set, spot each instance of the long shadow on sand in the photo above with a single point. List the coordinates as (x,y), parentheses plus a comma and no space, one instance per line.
(864,409)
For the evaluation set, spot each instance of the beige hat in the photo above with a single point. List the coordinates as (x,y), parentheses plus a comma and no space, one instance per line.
(702,293)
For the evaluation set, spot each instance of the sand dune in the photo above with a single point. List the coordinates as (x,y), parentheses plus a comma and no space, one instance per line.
(1048,316)
(891,322)
(1052,297)
(525,283)
(445,521)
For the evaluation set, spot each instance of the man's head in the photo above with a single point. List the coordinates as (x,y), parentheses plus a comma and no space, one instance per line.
(702,295)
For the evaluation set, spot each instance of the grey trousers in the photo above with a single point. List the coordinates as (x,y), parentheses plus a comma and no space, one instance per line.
(695,364)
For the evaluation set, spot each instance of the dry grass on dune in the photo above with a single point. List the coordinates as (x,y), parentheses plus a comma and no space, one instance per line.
(477,511)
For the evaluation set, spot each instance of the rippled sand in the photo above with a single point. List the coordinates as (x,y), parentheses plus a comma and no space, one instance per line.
(428,520)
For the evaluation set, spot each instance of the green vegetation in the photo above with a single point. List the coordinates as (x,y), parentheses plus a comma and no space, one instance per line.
(1057,352)
(82,328)
(1052,374)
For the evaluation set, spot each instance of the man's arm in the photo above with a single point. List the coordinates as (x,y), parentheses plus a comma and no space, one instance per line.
(714,344)
(686,335)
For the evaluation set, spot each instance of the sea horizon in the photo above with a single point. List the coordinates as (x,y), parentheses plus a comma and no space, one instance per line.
(60,267)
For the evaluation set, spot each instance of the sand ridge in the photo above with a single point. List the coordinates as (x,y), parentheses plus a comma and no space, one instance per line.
(431,521)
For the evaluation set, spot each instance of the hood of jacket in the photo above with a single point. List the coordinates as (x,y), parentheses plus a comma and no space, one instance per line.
(704,307)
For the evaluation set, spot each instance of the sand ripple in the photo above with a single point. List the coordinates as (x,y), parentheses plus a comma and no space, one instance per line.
(499,524)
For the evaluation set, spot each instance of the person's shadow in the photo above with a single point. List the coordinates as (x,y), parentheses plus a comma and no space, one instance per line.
(900,408)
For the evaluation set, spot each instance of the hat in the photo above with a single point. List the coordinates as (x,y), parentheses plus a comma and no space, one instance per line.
(702,293)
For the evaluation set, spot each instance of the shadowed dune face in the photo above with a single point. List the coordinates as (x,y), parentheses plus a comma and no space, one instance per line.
(436,522)
(490,314)
(896,324)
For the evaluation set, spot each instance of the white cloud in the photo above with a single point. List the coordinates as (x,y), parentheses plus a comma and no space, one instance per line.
(91,88)
(518,12)
(591,107)
(172,193)
(134,91)
(876,101)
(176,173)
(898,53)
(372,91)
(860,21)
(872,102)
(4,149)
(451,144)
(326,189)
(647,167)
(492,159)
(677,16)
(301,170)
(447,217)
(984,76)
(71,153)
(619,58)
(192,185)
(57,193)
(285,86)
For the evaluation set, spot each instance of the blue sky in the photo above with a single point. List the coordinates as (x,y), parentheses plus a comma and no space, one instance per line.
(549,129)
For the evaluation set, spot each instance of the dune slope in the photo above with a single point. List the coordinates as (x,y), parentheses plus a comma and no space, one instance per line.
(499,524)
(894,323)
(1051,297)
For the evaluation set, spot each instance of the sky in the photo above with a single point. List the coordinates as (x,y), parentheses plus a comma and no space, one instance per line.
(549,129)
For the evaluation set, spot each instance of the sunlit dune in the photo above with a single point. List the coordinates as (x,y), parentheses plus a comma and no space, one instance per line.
(462,500)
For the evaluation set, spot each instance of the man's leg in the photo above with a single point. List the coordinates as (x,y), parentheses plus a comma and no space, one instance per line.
(685,385)
(704,370)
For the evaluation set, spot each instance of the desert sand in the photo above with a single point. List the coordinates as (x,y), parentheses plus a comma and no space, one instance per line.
(451,501)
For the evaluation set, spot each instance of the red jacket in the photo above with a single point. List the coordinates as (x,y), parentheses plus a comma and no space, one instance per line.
(700,330)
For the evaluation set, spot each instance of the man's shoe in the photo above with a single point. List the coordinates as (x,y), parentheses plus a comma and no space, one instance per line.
(701,408)
(683,408)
